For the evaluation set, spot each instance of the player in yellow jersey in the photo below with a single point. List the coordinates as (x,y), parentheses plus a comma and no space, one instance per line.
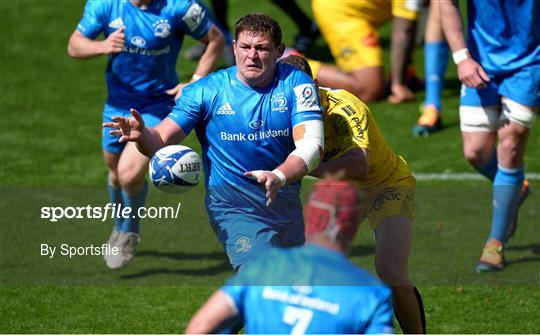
(353,143)
(350,30)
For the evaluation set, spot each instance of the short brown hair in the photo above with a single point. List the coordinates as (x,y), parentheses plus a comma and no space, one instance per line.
(259,23)
(300,62)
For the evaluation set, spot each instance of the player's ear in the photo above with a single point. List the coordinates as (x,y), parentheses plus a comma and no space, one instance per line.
(234,47)
(281,50)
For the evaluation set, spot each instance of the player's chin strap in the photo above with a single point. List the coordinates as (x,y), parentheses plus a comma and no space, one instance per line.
(310,146)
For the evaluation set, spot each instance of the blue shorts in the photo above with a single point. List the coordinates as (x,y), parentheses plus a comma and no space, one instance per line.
(244,238)
(152,115)
(522,86)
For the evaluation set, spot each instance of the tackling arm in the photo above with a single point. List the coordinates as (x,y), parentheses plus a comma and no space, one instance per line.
(354,164)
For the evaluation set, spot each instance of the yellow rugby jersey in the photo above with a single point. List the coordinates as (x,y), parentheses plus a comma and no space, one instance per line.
(348,124)
(377,12)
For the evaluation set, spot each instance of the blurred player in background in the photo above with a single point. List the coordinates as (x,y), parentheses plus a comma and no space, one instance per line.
(313,289)
(142,40)
(436,53)
(303,41)
(350,29)
(257,120)
(354,144)
(499,66)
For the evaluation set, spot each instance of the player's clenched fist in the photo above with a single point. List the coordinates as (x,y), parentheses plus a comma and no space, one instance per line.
(115,42)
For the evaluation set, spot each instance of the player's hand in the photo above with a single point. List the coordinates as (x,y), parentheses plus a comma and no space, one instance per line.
(472,74)
(400,93)
(127,128)
(177,90)
(270,180)
(114,43)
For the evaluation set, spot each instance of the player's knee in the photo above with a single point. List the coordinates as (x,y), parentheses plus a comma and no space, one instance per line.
(477,157)
(130,176)
(372,92)
(113,178)
(393,273)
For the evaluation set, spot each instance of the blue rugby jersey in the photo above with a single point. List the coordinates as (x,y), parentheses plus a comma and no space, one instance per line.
(312,290)
(146,67)
(504,35)
(241,129)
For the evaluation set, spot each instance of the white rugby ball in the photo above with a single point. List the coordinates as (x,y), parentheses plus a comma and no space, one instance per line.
(175,169)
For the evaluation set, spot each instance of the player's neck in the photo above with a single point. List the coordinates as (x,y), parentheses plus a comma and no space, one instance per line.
(142,4)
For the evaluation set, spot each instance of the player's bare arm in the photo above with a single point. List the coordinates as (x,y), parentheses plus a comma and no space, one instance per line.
(308,138)
(148,140)
(355,165)
(213,315)
(470,72)
(80,46)
(403,33)
(215,43)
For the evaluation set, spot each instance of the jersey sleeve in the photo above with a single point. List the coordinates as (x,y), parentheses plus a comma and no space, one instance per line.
(195,20)
(382,319)
(93,20)
(355,116)
(189,108)
(306,104)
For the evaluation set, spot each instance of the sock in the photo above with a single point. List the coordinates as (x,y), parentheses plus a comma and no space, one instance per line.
(490,169)
(421,307)
(436,56)
(137,201)
(303,22)
(115,197)
(506,188)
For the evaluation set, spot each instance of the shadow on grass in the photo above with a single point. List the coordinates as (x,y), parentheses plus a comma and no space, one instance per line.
(534,248)
(208,271)
(214,255)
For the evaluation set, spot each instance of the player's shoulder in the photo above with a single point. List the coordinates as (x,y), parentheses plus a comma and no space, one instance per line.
(286,72)
(179,6)
(342,101)
(103,6)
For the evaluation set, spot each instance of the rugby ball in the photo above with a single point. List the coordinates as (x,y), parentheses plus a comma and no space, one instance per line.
(175,169)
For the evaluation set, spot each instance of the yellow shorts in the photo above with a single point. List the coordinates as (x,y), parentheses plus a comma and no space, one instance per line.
(387,200)
(349,27)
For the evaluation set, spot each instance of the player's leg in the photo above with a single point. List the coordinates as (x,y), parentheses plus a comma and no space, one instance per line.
(307,29)
(393,245)
(111,155)
(354,43)
(436,53)
(509,180)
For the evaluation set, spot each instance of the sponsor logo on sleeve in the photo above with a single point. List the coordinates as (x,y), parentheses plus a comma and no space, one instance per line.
(242,245)
(306,98)
(194,16)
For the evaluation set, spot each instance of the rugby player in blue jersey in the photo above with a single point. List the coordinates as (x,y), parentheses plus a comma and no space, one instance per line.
(142,40)
(260,128)
(313,289)
(499,66)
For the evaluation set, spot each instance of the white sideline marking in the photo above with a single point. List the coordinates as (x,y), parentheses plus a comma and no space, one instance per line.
(456,176)
(464,176)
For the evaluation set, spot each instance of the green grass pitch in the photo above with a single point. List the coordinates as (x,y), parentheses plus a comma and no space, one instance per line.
(50,156)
